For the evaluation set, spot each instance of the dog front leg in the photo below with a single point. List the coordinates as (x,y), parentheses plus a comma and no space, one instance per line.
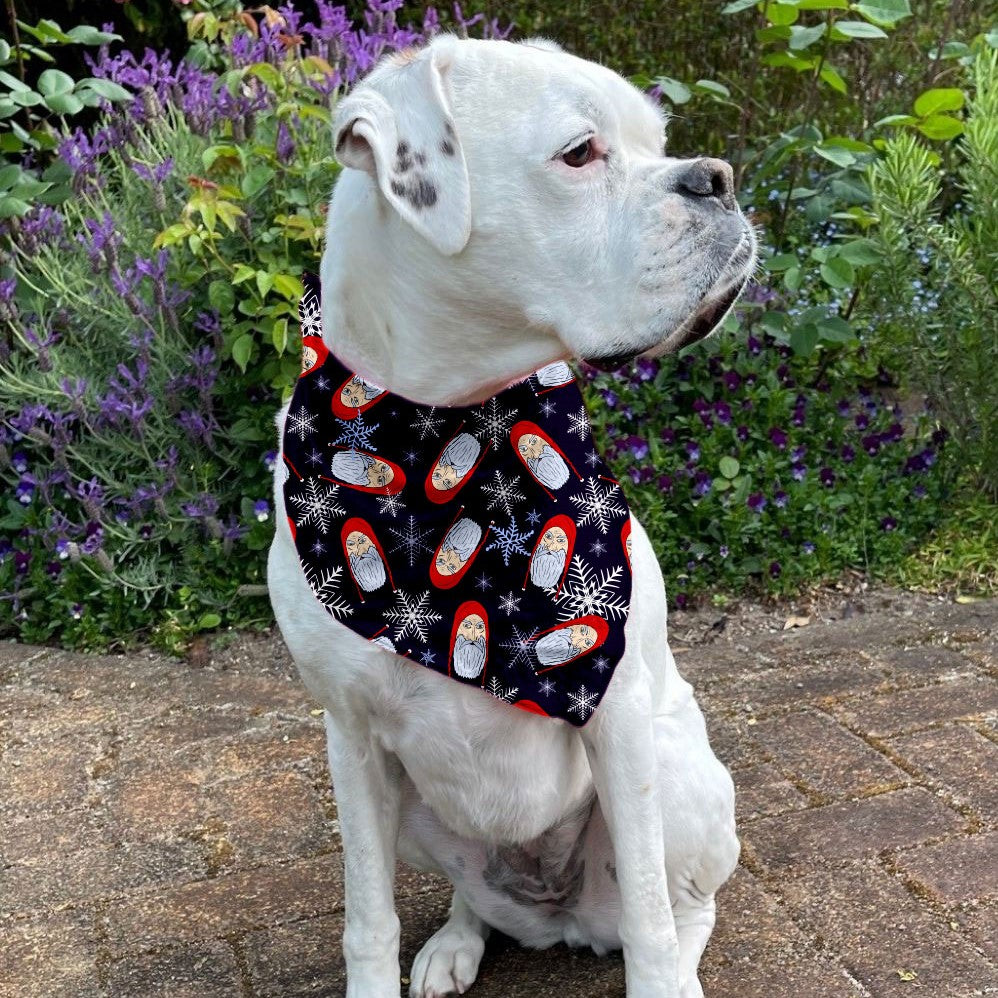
(367,803)
(620,743)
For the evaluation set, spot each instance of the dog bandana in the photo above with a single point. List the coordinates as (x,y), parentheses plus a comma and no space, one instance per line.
(486,542)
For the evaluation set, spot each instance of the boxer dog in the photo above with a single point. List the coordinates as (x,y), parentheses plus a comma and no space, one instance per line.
(505,206)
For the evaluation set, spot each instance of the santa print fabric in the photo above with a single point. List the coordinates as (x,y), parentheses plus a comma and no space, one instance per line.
(486,542)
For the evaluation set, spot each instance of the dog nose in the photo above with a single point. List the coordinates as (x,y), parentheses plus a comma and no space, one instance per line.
(706,178)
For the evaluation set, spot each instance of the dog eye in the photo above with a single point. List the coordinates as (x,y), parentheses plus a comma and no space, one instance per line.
(580,155)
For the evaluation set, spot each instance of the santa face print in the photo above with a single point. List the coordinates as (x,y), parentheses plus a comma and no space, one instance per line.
(308,358)
(542,460)
(583,637)
(548,563)
(564,644)
(358,544)
(458,546)
(357,392)
(555,375)
(457,459)
(469,648)
(365,561)
(356,468)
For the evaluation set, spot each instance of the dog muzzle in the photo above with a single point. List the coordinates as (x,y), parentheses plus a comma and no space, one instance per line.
(488,543)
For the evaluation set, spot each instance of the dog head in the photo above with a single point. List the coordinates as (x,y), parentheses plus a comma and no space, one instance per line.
(543,179)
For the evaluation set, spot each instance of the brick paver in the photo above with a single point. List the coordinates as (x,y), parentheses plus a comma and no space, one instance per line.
(168,828)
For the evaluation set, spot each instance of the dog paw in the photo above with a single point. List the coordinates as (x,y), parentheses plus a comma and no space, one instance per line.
(689,987)
(447,964)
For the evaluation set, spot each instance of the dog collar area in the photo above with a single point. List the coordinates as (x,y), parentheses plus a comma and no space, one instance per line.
(488,543)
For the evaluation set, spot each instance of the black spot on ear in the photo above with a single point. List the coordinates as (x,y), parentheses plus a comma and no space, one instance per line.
(449,128)
(403,149)
(446,147)
(422,194)
(420,158)
(398,188)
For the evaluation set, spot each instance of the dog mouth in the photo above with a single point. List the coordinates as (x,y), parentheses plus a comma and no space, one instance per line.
(700,325)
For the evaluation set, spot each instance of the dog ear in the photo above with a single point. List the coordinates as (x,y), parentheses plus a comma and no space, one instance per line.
(397,127)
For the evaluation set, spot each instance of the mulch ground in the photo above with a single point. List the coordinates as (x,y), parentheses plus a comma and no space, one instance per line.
(167,827)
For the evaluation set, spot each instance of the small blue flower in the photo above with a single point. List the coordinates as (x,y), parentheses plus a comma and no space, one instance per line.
(19,462)
(261,509)
(808,547)
(270,460)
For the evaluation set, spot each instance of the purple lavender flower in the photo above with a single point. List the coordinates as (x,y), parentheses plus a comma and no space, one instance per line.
(756,502)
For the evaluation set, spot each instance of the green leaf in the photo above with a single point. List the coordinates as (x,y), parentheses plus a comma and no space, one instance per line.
(886,12)
(792,278)
(781,13)
(712,87)
(782,261)
(838,272)
(288,286)
(243,273)
(11,206)
(85,34)
(64,104)
(896,119)
(861,252)
(279,335)
(729,467)
(46,31)
(803,339)
(241,351)
(833,78)
(774,322)
(208,621)
(676,91)
(104,88)
(795,62)
(55,81)
(221,296)
(9,175)
(264,282)
(13,83)
(939,99)
(835,330)
(256,178)
(737,5)
(823,5)
(802,38)
(940,126)
(835,154)
(857,29)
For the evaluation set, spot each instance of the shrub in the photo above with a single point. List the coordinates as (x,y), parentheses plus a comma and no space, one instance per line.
(937,287)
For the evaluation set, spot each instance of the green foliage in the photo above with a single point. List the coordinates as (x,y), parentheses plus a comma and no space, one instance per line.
(936,290)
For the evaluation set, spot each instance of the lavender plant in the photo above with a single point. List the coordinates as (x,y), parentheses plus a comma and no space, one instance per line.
(146,321)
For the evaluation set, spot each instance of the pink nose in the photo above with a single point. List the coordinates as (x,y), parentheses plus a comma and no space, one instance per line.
(706,178)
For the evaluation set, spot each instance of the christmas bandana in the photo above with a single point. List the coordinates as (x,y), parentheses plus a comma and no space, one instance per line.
(486,542)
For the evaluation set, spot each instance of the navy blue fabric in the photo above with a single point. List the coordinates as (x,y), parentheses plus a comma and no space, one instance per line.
(486,542)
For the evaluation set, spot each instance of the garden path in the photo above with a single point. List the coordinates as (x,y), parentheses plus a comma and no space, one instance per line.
(168,830)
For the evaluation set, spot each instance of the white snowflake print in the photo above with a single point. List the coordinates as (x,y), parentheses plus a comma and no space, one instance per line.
(592,459)
(598,503)
(322,383)
(579,423)
(483,582)
(318,503)
(493,420)
(412,541)
(301,423)
(510,604)
(502,494)
(391,504)
(519,647)
(315,457)
(427,657)
(427,423)
(508,541)
(318,548)
(310,312)
(500,692)
(411,456)
(533,518)
(325,583)
(547,687)
(583,702)
(355,434)
(601,664)
(588,591)
(412,616)
(548,408)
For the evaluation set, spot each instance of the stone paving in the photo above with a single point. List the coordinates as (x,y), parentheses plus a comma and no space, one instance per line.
(167,827)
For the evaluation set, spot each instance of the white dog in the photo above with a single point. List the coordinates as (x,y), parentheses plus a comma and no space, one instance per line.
(505,206)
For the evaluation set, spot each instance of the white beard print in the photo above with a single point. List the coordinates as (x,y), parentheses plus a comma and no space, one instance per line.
(469,657)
